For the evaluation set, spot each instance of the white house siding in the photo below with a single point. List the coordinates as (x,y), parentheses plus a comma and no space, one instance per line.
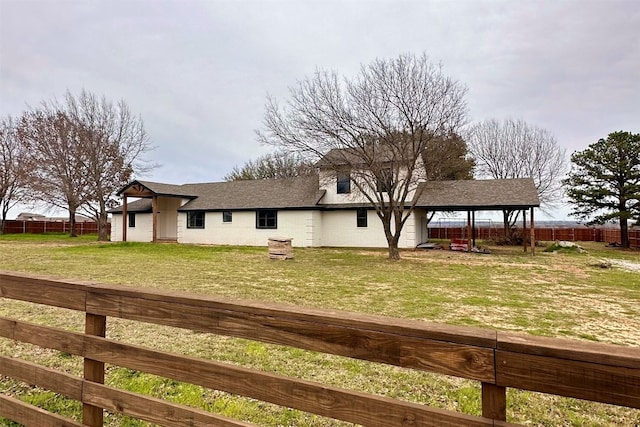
(328,182)
(168,217)
(142,232)
(339,228)
(242,230)
(314,229)
(307,228)
(116,228)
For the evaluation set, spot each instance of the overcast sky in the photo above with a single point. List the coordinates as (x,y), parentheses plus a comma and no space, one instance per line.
(198,72)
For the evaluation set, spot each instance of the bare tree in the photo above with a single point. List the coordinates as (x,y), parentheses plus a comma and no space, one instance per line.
(272,165)
(376,125)
(15,168)
(85,150)
(113,143)
(54,145)
(515,149)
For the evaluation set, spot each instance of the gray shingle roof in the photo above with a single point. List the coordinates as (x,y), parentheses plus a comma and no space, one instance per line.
(291,193)
(301,192)
(140,206)
(304,192)
(489,194)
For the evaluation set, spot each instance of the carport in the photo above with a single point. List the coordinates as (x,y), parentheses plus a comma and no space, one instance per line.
(471,196)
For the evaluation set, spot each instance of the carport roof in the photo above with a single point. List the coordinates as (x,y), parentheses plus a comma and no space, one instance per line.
(489,194)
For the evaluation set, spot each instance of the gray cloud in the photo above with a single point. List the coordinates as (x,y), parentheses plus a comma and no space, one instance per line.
(198,71)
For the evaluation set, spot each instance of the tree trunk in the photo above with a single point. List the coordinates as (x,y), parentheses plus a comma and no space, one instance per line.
(507,226)
(103,234)
(392,240)
(72,222)
(624,232)
(394,253)
(5,210)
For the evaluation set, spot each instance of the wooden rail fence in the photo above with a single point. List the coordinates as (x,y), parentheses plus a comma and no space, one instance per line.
(572,234)
(591,371)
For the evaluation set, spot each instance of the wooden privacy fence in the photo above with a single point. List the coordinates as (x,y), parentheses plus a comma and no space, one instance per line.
(572,234)
(40,227)
(592,371)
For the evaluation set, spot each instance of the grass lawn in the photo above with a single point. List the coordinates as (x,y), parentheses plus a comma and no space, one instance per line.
(560,294)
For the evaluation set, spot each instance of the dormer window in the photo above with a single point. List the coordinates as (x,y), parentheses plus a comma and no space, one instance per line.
(343,183)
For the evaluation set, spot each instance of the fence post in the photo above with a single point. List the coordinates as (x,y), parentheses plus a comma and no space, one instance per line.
(93,416)
(494,402)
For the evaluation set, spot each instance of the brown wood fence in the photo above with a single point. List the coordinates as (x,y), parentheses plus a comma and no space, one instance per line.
(41,227)
(591,371)
(572,234)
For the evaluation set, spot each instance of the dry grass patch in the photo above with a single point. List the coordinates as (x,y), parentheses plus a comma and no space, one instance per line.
(552,294)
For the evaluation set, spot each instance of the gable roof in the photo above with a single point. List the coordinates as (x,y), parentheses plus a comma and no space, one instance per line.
(376,153)
(488,194)
(289,193)
(158,188)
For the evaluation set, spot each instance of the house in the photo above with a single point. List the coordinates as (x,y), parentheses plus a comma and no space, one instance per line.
(317,210)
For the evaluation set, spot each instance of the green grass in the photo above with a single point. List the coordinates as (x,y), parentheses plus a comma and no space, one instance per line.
(560,294)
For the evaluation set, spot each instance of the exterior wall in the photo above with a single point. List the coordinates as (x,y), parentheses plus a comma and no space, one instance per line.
(314,229)
(116,227)
(168,217)
(339,228)
(328,182)
(307,229)
(420,226)
(142,232)
(298,225)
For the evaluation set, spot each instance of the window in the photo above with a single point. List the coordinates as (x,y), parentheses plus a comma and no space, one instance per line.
(266,219)
(361,217)
(385,181)
(195,219)
(132,219)
(343,183)
(227,216)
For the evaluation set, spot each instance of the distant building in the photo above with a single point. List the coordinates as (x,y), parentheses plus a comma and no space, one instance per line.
(26,216)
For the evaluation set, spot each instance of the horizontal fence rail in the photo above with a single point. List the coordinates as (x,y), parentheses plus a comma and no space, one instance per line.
(572,234)
(498,360)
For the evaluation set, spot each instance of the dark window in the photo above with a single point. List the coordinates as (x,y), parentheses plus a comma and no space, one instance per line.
(195,219)
(344,183)
(266,219)
(227,216)
(361,217)
(384,181)
(132,219)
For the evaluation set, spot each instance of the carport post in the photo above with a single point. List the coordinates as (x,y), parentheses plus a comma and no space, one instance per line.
(533,234)
(468,231)
(473,227)
(125,220)
(524,229)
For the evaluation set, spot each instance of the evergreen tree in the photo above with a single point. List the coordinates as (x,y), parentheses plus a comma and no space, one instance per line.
(604,182)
